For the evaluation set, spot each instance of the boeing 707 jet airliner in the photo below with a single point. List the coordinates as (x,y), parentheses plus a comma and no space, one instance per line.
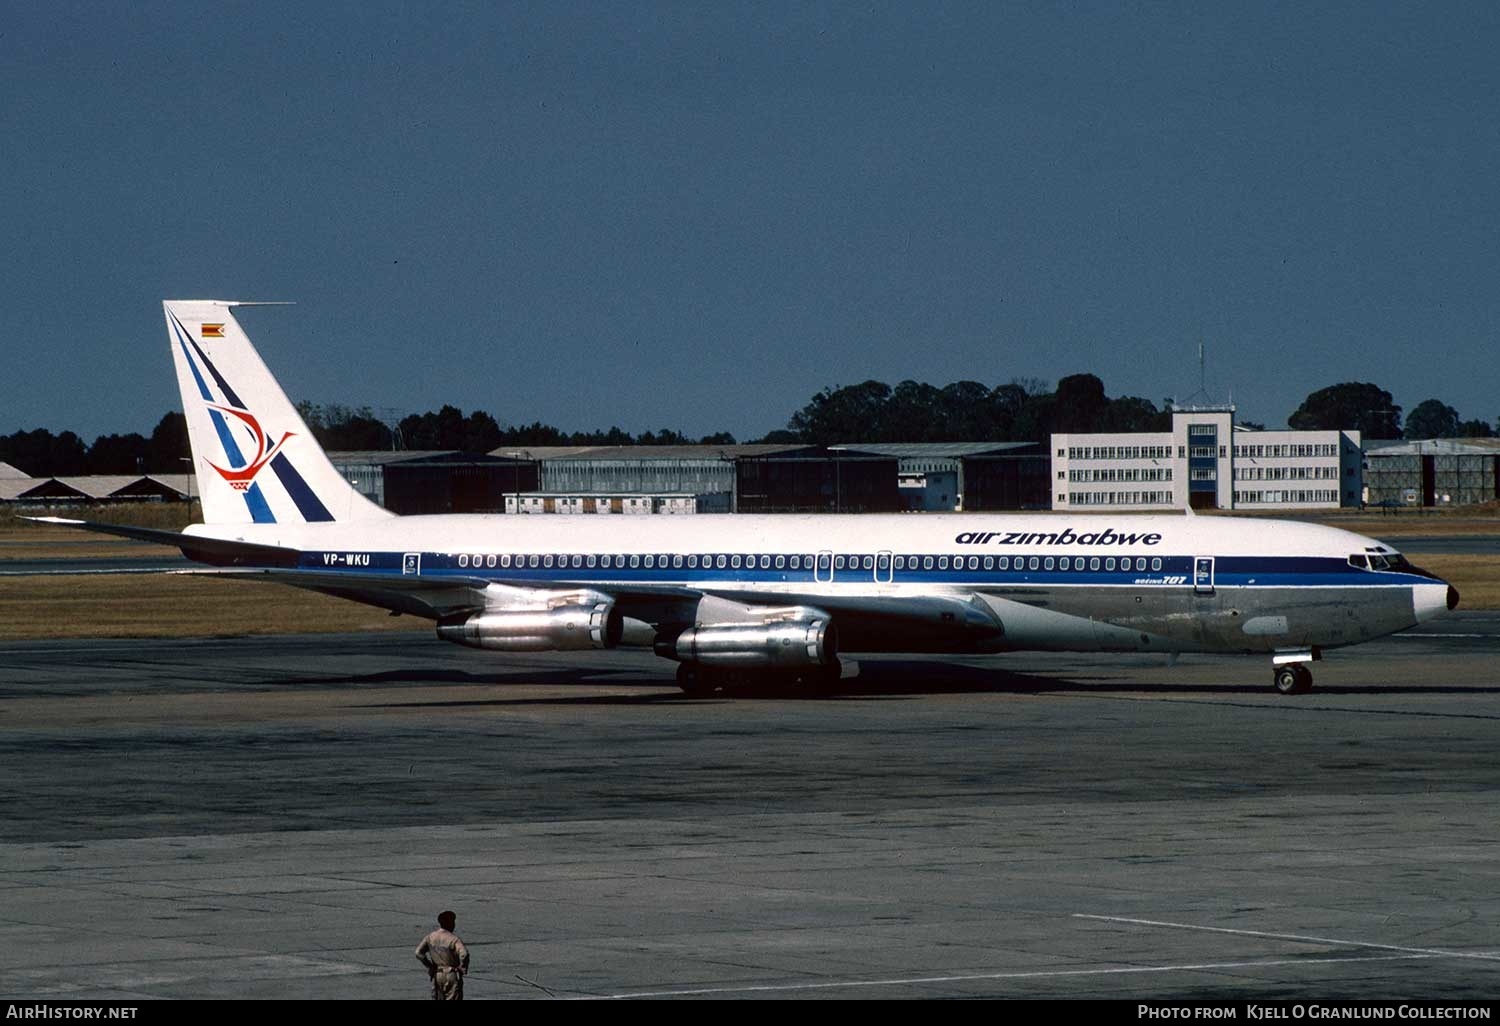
(738,597)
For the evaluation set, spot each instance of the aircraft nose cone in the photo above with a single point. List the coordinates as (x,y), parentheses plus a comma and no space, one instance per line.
(1435,599)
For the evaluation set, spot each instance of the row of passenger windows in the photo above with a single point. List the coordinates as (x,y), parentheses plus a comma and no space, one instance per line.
(735,561)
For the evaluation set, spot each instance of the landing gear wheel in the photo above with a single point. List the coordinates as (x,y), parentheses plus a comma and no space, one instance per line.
(1293,679)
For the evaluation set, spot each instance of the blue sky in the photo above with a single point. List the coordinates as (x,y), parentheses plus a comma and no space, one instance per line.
(697,215)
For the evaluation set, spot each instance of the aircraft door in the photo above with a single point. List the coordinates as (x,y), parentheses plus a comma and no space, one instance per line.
(882,568)
(1203,575)
(823,569)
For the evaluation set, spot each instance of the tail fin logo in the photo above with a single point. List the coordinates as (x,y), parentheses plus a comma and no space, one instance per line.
(240,479)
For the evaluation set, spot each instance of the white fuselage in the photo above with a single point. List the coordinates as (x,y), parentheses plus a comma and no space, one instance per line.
(925,582)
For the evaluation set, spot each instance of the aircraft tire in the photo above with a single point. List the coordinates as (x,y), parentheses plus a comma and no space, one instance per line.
(1293,679)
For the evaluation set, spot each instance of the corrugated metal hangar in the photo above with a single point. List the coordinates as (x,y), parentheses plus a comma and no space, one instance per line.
(1433,472)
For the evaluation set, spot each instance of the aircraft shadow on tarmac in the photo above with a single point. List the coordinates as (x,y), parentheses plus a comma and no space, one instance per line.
(893,679)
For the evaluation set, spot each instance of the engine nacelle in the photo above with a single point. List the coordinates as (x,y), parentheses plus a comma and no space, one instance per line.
(784,643)
(559,629)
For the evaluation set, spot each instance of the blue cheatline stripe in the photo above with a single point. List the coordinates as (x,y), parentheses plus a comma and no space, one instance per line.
(1314,572)
(260,510)
(312,509)
(234,400)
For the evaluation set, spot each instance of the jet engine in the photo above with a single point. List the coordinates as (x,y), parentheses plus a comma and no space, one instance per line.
(809,641)
(557,629)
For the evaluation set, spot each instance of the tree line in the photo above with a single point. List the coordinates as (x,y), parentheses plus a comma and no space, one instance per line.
(1023,410)
(1370,409)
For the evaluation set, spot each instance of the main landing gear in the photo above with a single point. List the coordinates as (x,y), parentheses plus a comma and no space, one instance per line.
(698,680)
(1289,671)
(1293,679)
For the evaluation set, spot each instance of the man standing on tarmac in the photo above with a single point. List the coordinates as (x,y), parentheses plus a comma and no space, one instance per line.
(446,959)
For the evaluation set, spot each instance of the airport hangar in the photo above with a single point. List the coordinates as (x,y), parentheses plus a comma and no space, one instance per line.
(759,478)
(1205,461)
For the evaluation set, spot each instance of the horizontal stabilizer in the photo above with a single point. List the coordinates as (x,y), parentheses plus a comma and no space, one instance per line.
(217,551)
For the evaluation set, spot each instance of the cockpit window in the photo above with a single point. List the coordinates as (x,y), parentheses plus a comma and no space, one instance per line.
(1358,559)
(1378,562)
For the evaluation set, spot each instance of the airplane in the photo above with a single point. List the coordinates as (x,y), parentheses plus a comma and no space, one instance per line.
(738,598)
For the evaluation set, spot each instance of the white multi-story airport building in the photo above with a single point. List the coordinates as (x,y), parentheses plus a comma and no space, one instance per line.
(1206,462)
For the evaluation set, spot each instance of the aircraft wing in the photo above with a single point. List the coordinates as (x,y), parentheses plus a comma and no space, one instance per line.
(434,597)
(416,595)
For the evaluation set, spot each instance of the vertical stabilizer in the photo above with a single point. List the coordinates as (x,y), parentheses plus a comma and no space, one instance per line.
(255,460)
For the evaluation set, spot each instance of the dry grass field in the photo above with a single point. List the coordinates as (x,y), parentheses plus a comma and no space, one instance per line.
(155,605)
(1477,578)
(175,605)
(130,605)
